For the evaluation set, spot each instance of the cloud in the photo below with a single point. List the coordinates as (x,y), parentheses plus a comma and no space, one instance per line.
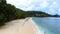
(44,4)
(59,9)
(20,2)
(54,5)
(29,8)
(12,1)
(51,10)
(29,3)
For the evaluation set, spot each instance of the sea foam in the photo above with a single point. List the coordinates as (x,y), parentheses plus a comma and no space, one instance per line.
(38,30)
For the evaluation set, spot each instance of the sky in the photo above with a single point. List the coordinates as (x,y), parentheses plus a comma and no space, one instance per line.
(48,6)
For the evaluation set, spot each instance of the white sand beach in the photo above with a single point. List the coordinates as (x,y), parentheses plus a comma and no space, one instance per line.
(20,26)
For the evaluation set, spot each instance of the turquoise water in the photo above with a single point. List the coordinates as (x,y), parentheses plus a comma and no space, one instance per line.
(50,25)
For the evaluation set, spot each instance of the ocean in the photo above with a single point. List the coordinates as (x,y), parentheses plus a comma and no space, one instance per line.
(49,25)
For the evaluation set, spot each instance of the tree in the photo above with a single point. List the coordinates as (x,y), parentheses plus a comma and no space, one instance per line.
(9,12)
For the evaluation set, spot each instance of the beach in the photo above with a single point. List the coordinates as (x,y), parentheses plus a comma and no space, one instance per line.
(20,26)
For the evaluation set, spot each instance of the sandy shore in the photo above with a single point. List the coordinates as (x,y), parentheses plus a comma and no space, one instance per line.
(22,26)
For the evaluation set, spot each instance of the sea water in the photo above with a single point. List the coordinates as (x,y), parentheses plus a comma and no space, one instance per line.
(49,25)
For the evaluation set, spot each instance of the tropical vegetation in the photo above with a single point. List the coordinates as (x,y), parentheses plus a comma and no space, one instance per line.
(9,12)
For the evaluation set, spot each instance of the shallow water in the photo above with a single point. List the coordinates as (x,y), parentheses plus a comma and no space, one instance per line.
(50,25)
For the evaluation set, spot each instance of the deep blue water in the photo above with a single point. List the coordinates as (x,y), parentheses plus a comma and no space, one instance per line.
(50,25)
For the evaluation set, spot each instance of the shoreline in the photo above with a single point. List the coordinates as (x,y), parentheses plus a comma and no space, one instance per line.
(21,26)
(38,30)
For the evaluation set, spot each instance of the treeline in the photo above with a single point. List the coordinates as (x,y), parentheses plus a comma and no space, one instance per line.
(9,12)
(38,14)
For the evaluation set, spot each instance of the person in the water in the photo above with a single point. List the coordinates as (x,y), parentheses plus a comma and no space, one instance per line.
(44,32)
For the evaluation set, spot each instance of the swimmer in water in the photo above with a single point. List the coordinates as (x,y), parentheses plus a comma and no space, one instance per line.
(44,32)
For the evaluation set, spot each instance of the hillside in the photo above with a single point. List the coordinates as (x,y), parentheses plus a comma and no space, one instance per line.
(9,12)
(38,14)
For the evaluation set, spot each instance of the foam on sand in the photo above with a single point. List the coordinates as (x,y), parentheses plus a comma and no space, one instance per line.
(38,30)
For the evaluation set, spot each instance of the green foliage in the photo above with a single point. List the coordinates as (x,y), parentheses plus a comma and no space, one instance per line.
(9,12)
